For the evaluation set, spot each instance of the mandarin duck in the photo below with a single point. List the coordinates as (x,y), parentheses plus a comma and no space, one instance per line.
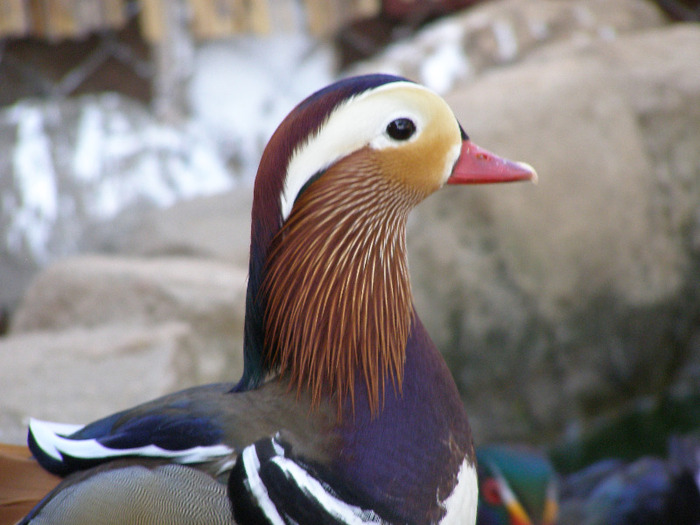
(516,487)
(345,411)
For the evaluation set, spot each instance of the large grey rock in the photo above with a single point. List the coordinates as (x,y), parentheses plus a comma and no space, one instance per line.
(458,49)
(565,301)
(216,227)
(81,374)
(91,291)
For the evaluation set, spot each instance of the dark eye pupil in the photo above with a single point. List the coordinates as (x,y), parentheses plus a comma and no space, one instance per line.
(401,128)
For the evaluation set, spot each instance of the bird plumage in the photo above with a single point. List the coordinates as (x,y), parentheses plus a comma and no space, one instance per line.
(345,412)
(517,486)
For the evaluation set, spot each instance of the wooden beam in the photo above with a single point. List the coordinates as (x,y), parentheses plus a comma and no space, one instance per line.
(258,16)
(214,18)
(61,21)
(324,17)
(152,20)
(114,13)
(173,57)
(14,18)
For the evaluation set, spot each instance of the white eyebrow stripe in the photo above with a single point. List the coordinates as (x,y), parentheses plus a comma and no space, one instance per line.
(352,125)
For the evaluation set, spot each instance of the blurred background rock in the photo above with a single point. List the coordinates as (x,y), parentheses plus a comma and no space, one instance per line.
(569,312)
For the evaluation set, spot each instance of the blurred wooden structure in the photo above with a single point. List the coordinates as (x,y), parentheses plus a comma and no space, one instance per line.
(145,48)
(208,19)
(59,19)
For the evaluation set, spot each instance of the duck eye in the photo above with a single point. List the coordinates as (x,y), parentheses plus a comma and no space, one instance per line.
(401,129)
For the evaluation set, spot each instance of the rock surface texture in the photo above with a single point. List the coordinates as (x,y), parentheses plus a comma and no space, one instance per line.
(554,304)
(562,301)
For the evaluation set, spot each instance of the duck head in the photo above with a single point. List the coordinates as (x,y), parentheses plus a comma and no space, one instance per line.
(329,299)
(516,487)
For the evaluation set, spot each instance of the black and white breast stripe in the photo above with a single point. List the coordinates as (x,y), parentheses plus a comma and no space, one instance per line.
(267,486)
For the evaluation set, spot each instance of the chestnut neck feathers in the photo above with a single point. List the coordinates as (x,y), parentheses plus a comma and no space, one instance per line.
(329,298)
(337,284)
(301,124)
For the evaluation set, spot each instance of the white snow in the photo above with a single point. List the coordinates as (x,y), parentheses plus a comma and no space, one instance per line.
(435,57)
(36,208)
(447,62)
(240,93)
(443,68)
(506,40)
(114,155)
(87,159)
